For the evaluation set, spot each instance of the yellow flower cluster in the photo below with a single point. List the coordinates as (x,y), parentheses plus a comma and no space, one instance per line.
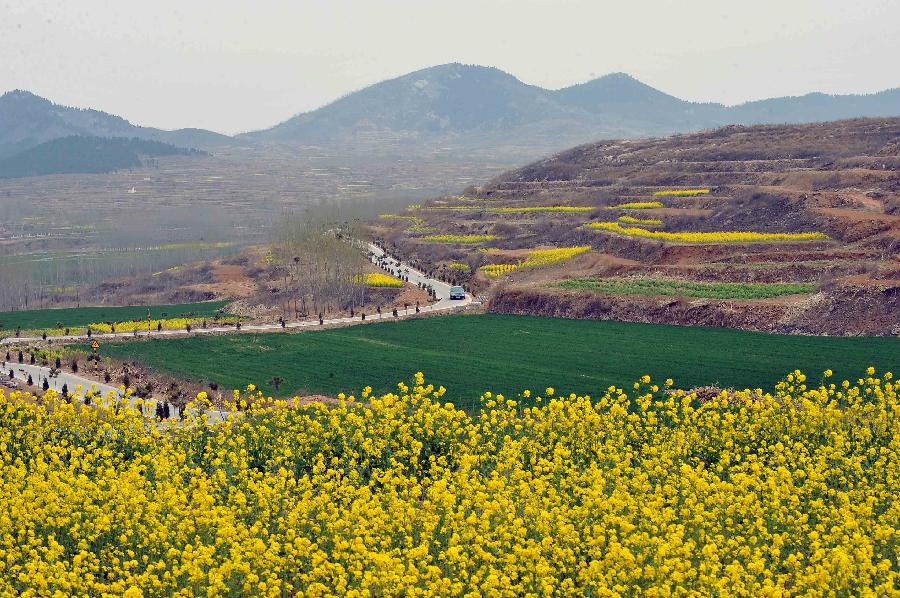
(464,239)
(141,325)
(536,259)
(547,257)
(643,492)
(637,205)
(642,221)
(708,237)
(462,267)
(497,270)
(680,192)
(377,279)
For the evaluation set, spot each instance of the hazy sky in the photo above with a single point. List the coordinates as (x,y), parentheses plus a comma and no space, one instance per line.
(235,66)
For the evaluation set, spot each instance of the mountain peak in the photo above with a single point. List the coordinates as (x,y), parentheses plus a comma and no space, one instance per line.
(23,95)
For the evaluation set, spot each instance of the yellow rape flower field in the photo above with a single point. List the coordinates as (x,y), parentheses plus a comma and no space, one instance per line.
(535,259)
(459,266)
(497,270)
(377,279)
(139,325)
(639,491)
(707,237)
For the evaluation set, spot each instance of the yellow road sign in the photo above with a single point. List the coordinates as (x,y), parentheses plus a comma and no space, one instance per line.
(95,344)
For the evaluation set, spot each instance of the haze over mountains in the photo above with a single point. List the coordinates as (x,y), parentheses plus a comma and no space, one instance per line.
(27,120)
(474,107)
(457,109)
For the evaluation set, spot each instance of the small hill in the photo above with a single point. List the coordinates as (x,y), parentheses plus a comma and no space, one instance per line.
(77,154)
(451,99)
(27,120)
(776,228)
(468,107)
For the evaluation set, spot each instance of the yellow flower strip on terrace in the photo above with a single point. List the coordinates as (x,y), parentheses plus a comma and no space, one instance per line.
(458,266)
(707,237)
(465,239)
(637,205)
(644,221)
(642,491)
(139,325)
(546,257)
(535,259)
(497,270)
(377,279)
(680,192)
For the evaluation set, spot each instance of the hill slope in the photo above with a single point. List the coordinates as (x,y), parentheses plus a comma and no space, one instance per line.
(479,107)
(788,228)
(85,155)
(27,120)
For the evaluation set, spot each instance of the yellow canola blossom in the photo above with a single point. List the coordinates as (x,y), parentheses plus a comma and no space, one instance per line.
(707,237)
(497,270)
(167,324)
(637,205)
(680,192)
(140,325)
(377,279)
(546,257)
(643,492)
(535,259)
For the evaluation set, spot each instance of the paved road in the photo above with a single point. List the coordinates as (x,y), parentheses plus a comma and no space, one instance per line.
(442,291)
(39,373)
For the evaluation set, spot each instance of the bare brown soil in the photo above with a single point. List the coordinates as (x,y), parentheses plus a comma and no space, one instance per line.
(841,179)
(849,310)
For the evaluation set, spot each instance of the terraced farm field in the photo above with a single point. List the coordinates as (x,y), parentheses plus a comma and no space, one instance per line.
(680,288)
(81,316)
(815,206)
(508,354)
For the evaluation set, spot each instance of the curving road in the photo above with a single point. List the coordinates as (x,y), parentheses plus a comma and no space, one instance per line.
(379,257)
(442,291)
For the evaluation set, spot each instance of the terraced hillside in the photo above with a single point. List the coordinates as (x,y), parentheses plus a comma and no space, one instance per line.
(777,228)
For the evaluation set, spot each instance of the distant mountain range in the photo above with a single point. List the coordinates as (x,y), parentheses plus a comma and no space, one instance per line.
(481,107)
(457,109)
(27,120)
(76,154)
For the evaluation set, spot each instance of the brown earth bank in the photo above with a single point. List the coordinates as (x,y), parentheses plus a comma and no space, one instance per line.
(839,181)
(848,311)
